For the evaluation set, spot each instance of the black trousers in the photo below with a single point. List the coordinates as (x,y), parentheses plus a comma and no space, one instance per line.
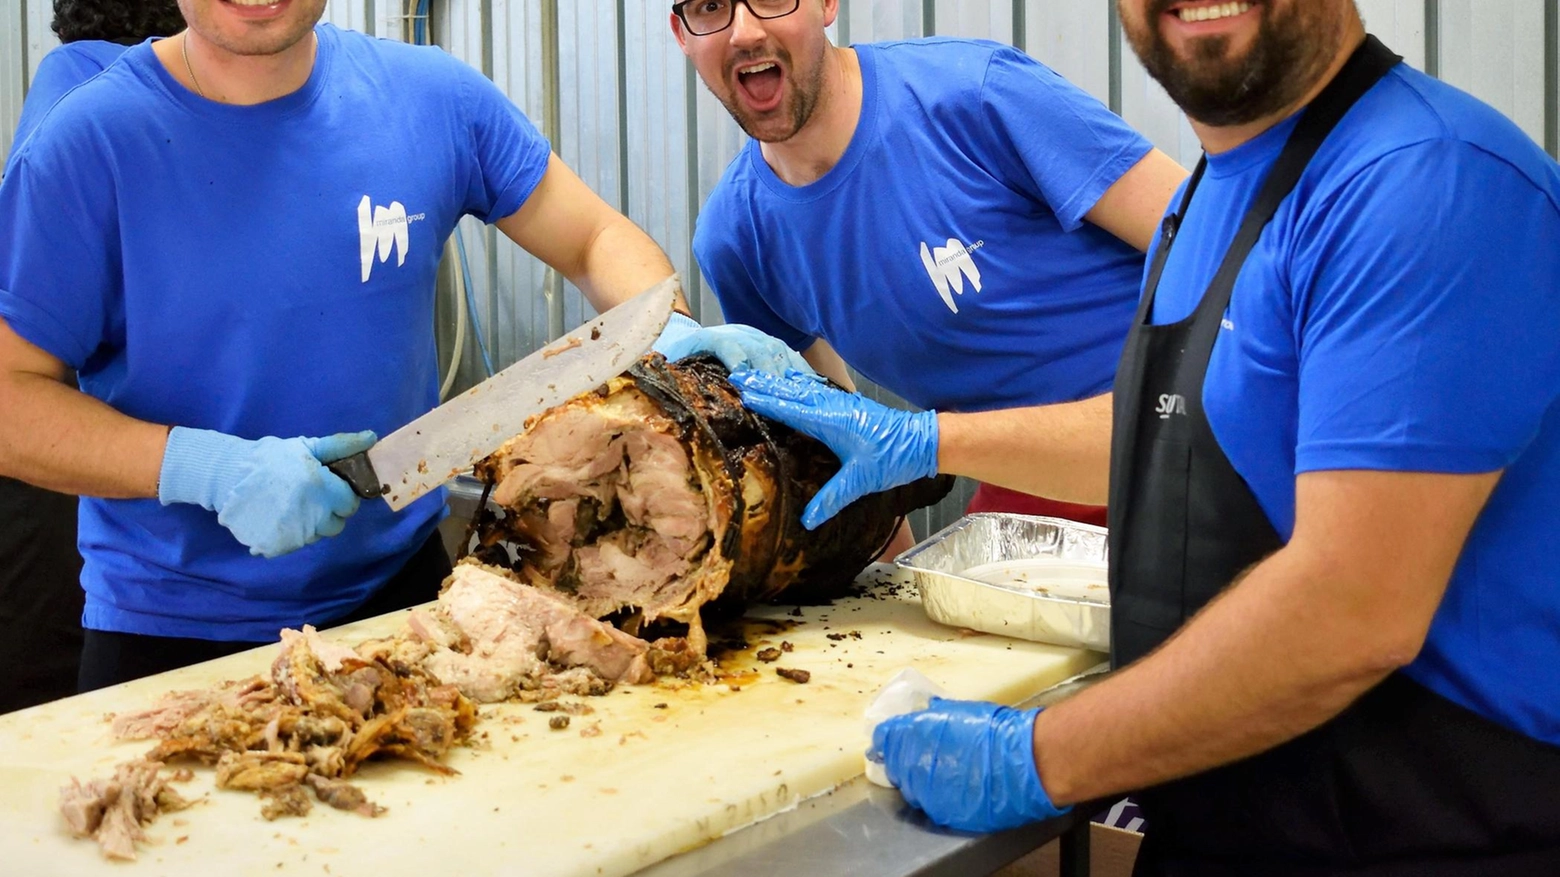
(108,658)
(40,595)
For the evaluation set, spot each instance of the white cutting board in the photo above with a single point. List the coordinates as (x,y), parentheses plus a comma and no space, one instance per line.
(534,801)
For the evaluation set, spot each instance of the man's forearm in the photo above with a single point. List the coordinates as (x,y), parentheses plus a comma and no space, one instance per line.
(1057,451)
(1266,662)
(621,262)
(59,438)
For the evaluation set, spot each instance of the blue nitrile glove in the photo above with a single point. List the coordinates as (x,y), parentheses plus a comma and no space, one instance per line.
(738,347)
(969,765)
(879,447)
(273,495)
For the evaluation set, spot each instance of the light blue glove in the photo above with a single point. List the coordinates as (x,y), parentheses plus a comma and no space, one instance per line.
(738,347)
(879,447)
(273,495)
(969,765)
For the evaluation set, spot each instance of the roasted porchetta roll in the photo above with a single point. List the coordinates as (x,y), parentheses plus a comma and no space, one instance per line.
(658,494)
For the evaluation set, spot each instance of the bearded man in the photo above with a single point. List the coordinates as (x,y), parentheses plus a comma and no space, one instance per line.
(1334,481)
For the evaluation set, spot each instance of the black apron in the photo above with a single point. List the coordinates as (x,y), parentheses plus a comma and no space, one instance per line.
(1403,782)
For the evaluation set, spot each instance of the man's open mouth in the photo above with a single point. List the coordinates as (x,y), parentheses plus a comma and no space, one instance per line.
(761,84)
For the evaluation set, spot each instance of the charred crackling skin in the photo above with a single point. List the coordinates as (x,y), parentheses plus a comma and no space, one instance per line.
(773,553)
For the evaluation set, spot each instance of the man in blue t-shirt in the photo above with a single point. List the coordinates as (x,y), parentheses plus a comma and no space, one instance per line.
(948,217)
(1334,484)
(232,237)
(40,591)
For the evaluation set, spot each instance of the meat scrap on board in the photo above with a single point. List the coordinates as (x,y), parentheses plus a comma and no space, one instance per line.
(114,811)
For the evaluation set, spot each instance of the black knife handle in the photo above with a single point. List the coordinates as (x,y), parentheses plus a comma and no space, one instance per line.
(358,472)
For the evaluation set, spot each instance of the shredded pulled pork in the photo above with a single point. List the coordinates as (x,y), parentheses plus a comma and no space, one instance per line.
(114,811)
(324,711)
(177,706)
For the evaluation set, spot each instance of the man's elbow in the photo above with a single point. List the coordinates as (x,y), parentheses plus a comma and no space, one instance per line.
(1371,619)
(1381,649)
(1389,657)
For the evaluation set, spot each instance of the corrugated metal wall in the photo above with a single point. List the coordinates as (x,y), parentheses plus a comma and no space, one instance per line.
(605,80)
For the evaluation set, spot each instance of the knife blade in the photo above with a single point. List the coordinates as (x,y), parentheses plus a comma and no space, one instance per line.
(445,442)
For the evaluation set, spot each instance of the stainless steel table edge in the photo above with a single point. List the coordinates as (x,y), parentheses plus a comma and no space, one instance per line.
(866,831)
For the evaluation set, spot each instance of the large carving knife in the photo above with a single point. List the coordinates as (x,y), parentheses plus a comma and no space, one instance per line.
(446,441)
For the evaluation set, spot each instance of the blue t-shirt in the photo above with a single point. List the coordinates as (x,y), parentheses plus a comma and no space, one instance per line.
(1402,313)
(61,70)
(262,270)
(945,256)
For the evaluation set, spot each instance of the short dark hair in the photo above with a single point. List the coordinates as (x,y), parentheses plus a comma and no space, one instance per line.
(120,21)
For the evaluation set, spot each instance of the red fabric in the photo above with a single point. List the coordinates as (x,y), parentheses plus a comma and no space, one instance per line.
(989,498)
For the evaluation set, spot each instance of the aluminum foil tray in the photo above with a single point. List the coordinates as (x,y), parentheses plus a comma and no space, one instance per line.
(949,598)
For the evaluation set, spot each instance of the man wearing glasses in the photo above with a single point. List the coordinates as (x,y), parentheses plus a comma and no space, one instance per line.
(958,222)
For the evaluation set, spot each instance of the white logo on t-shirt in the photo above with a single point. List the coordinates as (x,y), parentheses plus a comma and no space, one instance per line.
(383,229)
(948,266)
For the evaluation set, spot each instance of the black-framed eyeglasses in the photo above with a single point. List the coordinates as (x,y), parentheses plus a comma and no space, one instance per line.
(704,17)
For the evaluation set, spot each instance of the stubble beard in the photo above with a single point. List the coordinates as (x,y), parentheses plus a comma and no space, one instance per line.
(798,106)
(1291,51)
(256,41)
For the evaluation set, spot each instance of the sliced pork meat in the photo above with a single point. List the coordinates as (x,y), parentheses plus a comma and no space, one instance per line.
(494,637)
